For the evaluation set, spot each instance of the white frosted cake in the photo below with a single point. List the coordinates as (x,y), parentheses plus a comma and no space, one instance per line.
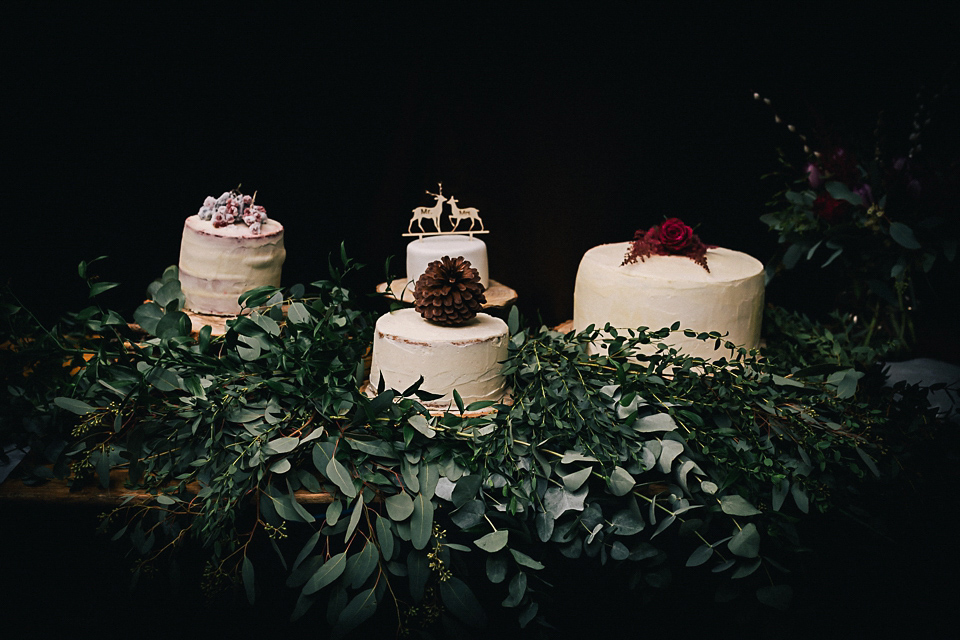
(664,289)
(423,251)
(466,358)
(217,264)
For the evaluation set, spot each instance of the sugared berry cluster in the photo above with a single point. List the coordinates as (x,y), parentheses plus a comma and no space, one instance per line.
(232,207)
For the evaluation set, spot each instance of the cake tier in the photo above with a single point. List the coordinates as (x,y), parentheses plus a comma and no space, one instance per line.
(465,358)
(423,251)
(662,290)
(219,264)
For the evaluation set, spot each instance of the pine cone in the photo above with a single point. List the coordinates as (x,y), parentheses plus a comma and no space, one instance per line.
(449,292)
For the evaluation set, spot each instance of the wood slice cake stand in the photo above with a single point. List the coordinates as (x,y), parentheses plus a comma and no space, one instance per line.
(498,295)
(217,324)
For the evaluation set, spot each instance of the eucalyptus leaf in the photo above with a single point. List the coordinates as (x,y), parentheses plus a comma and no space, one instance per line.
(735,505)
(746,542)
(904,236)
(332,569)
(700,555)
(575,480)
(73,405)
(493,541)
(621,482)
(360,608)
(468,515)
(399,507)
(356,513)
(524,560)
(307,549)
(670,449)
(297,313)
(421,424)
(339,475)
(655,422)
(517,589)
(558,501)
(429,476)
(496,566)
(418,572)
(461,602)
(384,538)
(466,489)
(360,565)
(421,522)
(248,580)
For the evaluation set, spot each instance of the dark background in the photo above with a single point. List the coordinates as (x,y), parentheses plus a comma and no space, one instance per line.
(567,126)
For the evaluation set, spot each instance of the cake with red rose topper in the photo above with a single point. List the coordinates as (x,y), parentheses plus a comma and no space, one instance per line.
(668,275)
(228,248)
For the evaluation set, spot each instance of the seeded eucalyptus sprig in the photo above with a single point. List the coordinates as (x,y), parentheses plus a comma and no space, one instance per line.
(262,439)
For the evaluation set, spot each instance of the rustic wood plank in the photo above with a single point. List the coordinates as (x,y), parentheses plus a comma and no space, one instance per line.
(56,491)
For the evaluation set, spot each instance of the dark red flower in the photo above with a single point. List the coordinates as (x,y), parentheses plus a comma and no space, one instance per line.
(671,238)
(841,166)
(675,235)
(828,208)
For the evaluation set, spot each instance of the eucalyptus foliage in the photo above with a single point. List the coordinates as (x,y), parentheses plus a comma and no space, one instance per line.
(643,457)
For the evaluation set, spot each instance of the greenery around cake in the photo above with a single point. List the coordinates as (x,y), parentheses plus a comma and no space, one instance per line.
(661,465)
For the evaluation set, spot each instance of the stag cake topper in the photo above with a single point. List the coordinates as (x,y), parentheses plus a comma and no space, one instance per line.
(456,215)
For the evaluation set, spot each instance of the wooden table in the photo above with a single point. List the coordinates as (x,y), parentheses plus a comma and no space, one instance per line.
(56,491)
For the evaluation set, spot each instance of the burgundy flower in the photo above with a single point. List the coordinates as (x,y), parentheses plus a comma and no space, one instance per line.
(829,209)
(675,235)
(813,176)
(842,166)
(672,238)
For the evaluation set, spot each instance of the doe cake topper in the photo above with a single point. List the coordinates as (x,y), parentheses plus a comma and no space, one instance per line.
(456,215)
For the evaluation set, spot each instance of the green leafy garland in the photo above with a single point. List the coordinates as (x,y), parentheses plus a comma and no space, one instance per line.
(658,462)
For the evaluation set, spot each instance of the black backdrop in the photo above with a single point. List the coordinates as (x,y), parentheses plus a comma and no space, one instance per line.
(566,126)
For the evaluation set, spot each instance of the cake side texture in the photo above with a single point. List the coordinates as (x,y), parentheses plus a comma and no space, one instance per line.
(423,251)
(217,265)
(466,358)
(662,290)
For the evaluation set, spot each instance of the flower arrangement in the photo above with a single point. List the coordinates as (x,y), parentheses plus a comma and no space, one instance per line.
(671,238)
(885,219)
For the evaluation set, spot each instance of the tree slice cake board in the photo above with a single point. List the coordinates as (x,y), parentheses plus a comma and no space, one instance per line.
(498,295)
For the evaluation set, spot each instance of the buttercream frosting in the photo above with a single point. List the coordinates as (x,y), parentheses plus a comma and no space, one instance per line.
(217,265)
(662,290)
(466,358)
(423,251)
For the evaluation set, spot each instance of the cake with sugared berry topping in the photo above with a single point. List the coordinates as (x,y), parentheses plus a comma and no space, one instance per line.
(228,248)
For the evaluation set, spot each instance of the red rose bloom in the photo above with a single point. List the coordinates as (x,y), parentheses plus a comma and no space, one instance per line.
(675,235)
(828,208)
(672,238)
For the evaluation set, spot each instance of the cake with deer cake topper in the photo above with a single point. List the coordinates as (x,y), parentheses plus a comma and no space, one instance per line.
(446,338)
(438,240)
(668,275)
(230,246)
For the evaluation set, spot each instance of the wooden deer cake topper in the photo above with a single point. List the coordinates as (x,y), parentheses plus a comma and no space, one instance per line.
(457,215)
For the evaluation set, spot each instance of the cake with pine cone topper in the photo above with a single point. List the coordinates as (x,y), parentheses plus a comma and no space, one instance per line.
(445,339)
(668,275)
(228,248)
